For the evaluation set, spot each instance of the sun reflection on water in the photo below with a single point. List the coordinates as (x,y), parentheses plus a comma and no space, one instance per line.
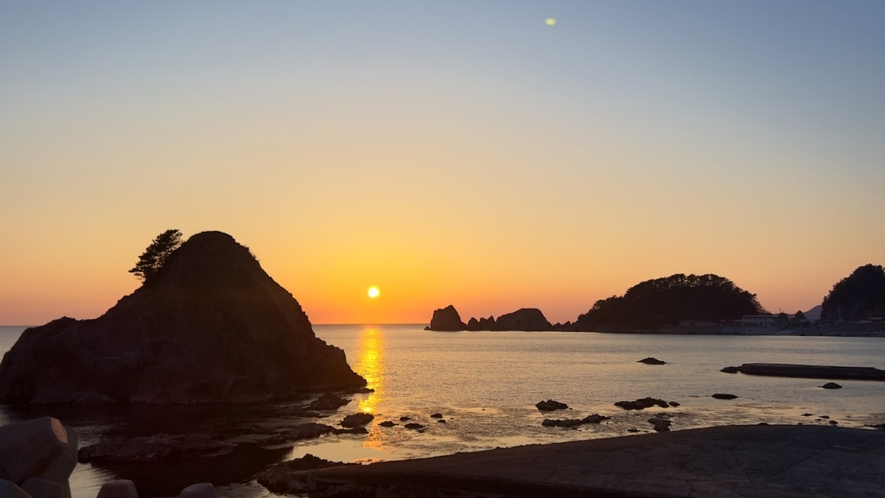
(370,364)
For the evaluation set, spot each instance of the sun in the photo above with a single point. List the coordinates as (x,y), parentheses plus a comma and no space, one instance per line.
(374,292)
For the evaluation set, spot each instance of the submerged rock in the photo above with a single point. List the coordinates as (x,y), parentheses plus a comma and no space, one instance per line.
(574,422)
(447,319)
(388,423)
(550,405)
(652,361)
(210,326)
(831,385)
(660,424)
(724,396)
(641,404)
(414,426)
(357,419)
(327,401)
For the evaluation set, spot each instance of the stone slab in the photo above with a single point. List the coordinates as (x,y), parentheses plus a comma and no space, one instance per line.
(758,461)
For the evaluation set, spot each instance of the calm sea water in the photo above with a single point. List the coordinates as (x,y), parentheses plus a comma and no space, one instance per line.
(486,384)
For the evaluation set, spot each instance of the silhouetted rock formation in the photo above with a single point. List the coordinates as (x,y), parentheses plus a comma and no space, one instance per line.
(524,319)
(211,326)
(641,404)
(446,319)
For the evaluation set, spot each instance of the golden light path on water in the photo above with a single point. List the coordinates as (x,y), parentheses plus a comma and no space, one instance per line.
(370,364)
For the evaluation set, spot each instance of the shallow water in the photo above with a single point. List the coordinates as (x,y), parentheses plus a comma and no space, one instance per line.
(486,384)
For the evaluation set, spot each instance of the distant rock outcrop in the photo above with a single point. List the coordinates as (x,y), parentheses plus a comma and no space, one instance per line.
(524,319)
(210,326)
(446,319)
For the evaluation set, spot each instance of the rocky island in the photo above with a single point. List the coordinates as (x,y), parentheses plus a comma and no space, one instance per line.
(209,327)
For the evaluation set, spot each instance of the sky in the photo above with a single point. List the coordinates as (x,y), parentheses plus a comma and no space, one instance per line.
(454,152)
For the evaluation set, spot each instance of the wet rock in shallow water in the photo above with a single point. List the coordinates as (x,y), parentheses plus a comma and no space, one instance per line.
(441,421)
(724,396)
(405,419)
(824,416)
(299,432)
(831,385)
(574,422)
(357,419)
(436,415)
(414,426)
(158,447)
(652,361)
(807,414)
(284,477)
(387,423)
(550,405)
(632,430)
(731,370)
(200,490)
(641,404)
(674,404)
(660,424)
(327,401)
(122,488)
(833,422)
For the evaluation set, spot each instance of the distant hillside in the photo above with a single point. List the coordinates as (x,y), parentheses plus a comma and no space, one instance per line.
(669,300)
(858,296)
(814,313)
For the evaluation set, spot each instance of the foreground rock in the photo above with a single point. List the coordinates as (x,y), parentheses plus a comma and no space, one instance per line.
(641,404)
(283,477)
(211,326)
(550,405)
(757,461)
(36,459)
(447,320)
(812,371)
(574,422)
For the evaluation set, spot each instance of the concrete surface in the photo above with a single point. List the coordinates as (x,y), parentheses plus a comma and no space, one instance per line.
(737,461)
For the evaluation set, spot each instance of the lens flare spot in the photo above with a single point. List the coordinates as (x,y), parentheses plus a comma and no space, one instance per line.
(551,21)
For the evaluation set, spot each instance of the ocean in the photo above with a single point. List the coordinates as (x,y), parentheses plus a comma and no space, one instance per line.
(485,385)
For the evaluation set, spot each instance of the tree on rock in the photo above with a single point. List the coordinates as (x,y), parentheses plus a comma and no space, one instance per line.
(154,257)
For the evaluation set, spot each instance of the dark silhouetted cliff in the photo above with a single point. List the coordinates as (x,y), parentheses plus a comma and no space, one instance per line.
(210,326)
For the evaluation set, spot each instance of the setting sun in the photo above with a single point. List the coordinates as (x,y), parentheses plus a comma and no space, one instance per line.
(374,292)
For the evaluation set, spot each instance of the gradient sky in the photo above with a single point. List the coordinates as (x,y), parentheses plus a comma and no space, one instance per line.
(454,152)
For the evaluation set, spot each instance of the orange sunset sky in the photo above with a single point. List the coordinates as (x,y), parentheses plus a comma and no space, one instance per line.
(448,153)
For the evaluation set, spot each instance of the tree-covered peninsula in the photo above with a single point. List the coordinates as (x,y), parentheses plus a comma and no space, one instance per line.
(669,300)
(858,296)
